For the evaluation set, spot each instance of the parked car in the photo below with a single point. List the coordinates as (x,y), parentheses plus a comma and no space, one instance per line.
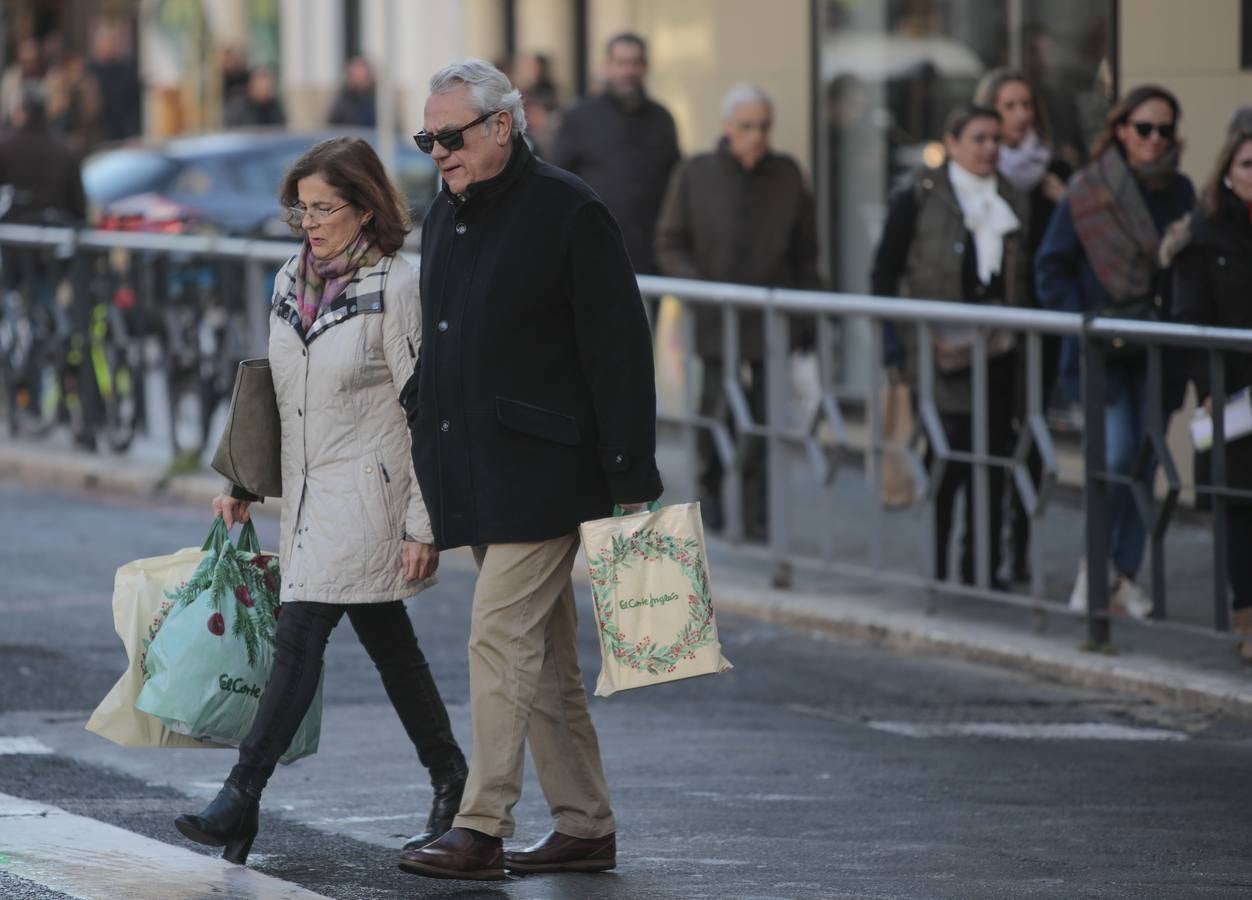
(225,182)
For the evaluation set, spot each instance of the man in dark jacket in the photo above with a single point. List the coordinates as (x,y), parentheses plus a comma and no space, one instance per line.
(42,178)
(624,145)
(741,214)
(534,410)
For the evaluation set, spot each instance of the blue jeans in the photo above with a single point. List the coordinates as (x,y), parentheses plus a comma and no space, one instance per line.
(1125,425)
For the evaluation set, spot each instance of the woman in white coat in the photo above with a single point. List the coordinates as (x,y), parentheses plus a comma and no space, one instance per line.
(355,537)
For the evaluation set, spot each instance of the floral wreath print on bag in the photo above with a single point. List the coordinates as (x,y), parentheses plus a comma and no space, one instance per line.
(648,546)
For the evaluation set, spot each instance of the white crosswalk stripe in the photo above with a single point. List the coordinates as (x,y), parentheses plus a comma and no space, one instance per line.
(1029,731)
(12,746)
(91,860)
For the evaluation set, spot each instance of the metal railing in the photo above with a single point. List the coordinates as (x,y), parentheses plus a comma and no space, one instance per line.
(823,440)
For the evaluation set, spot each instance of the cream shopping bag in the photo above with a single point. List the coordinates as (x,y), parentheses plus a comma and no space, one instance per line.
(140,606)
(654,608)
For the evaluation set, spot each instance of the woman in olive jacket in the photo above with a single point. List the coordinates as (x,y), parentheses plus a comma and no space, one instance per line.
(1213,286)
(355,538)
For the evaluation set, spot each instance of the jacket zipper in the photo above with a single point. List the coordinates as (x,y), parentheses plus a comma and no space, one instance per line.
(412,353)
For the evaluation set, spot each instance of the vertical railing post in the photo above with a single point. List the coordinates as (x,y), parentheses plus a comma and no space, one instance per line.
(777,409)
(982,476)
(874,443)
(1217,477)
(1095,491)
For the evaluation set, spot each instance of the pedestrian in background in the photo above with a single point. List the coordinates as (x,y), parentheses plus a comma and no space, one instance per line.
(73,96)
(535,412)
(1099,256)
(121,97)
(624,145)
(959,233)
(1213,286)
(356,538)
(741,213)
(259,105)
(355,103)
(24,73)
(1027,162)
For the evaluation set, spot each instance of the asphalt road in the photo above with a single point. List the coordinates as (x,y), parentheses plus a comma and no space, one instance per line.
(813,769)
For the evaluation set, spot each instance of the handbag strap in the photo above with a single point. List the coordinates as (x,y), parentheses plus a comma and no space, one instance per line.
(217,534)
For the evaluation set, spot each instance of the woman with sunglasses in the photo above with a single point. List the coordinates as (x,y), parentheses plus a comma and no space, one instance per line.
(356,539)
(1099,255)
(1028,163)
(1213,286)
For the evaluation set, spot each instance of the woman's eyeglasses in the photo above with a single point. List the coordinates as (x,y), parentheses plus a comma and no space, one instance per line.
(451,139)
(295,214)
(1145,129)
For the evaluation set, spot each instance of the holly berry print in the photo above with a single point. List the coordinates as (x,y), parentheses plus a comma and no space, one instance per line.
(242,589)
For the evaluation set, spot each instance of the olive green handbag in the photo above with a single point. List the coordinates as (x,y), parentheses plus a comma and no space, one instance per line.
(248,453)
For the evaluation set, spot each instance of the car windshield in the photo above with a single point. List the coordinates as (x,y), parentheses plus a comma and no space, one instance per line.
(115,174)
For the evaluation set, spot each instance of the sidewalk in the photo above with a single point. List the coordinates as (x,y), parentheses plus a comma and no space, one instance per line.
(1182,666)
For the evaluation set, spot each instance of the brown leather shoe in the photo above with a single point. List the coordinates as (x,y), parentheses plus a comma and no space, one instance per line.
(461,853)
(561,853)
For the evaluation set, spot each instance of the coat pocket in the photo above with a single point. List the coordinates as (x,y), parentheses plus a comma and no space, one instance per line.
(375,490)
(536,421)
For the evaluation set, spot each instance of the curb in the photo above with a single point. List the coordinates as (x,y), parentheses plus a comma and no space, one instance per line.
(908,631)
(846,616)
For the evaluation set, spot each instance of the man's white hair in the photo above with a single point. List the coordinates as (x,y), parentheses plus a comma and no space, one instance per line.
(489,88)
(743,93)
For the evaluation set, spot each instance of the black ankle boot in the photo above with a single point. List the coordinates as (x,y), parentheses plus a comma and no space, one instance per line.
(442,811)
(230,820)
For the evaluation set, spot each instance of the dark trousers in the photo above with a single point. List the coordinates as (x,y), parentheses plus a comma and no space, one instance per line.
(1019,519)
(1238,559)
(755,463)
(387,634)
(958,477)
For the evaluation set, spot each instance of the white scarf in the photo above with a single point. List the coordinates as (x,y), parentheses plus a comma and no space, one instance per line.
(1025,165)
(988,217)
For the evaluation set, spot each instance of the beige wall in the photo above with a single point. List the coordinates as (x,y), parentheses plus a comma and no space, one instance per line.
(699,48)
(1193,50)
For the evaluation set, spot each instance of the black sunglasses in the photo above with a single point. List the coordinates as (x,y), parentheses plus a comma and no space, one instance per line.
(1145,129)
(451,139)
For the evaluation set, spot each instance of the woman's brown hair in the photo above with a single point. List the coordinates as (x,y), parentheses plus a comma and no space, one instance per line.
(988,94)
(1211,195)
(1122,110)
(351,167)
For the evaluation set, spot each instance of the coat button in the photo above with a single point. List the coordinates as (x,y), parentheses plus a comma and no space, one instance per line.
(445,425)
(443,325)
(461,228)
(618,458)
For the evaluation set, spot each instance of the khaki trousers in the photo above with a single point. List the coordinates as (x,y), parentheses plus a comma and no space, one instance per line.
(525,684)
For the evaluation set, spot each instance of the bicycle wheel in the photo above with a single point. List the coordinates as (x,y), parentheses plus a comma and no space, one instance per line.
(116,366)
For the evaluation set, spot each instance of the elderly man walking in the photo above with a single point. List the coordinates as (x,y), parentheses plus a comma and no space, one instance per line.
(533,410)
(741,214)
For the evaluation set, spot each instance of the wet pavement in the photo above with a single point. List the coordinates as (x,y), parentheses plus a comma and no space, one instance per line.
(814,769)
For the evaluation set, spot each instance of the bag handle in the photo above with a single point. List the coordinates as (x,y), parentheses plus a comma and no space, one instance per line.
(248,541)
(653,506)
(217,534)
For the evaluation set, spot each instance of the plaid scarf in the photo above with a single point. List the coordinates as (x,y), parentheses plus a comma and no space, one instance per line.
(1114,225)
(320,281)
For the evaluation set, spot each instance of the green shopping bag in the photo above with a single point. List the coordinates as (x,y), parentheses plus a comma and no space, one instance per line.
(211,659)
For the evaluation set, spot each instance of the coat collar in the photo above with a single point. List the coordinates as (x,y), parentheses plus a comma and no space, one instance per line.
(484,193)
(364,294)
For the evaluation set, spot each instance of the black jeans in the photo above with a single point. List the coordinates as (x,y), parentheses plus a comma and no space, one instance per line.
(959,476)
(300,644)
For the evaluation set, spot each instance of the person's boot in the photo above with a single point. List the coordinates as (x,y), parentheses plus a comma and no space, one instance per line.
(231,820)
(461,853)
(443,810)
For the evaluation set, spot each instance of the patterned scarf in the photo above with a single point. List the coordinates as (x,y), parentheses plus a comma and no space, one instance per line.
(320,281)
(1114,225)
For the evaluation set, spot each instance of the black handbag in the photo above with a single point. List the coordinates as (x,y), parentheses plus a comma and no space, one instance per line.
(248,453)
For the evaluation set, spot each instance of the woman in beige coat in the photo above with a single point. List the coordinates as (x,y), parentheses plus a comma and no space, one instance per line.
(355,537)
